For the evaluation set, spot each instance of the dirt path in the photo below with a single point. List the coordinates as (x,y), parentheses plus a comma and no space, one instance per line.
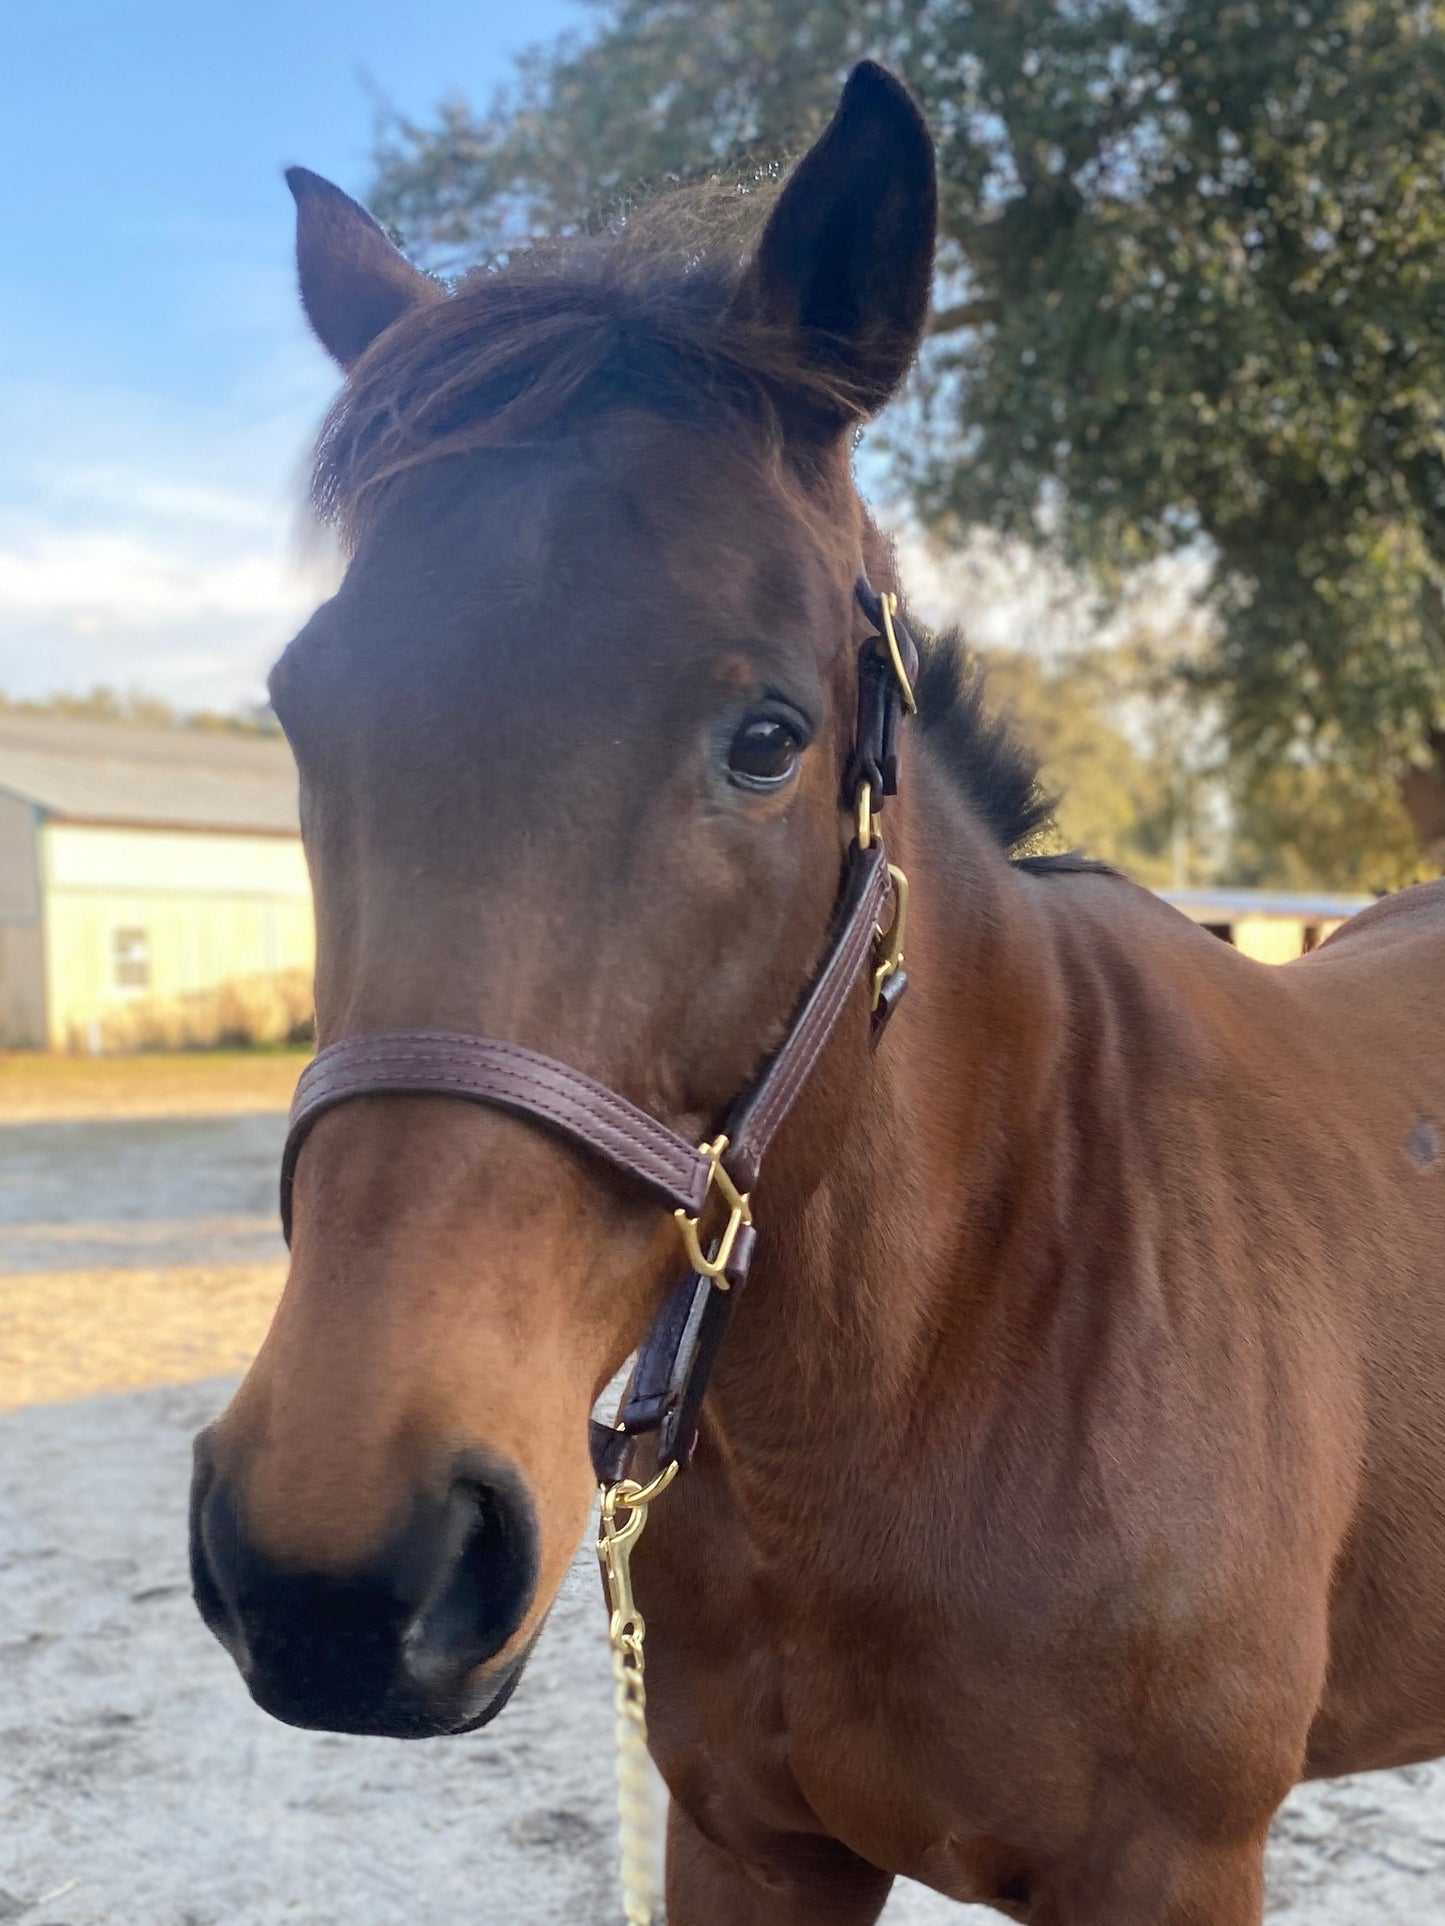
(135,1253)
(36,1087)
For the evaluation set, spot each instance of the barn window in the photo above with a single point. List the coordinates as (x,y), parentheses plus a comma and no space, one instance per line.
(130,959)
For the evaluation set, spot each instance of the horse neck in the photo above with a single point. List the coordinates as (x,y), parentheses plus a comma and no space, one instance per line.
(878,1271)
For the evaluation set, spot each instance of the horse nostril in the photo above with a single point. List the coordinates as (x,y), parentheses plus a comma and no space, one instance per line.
(213,1528)
(389,1645)
(484,1581)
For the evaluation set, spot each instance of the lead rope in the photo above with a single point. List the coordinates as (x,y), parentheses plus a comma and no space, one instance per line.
(623,1520)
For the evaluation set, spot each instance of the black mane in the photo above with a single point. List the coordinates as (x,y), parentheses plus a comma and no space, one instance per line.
(997,773)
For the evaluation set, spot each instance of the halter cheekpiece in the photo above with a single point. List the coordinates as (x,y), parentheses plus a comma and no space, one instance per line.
(665,1391)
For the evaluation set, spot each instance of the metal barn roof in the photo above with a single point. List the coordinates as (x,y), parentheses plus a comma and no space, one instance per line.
(1224,905)
(110,772)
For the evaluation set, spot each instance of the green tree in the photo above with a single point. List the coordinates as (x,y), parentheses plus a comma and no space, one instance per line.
(1297,826)
(1136,786)
(1192,296)
(1116,798)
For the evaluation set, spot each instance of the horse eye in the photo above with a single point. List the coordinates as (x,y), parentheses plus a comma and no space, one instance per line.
(764,752)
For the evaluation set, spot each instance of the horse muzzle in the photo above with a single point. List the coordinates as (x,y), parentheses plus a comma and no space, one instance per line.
(397,1648)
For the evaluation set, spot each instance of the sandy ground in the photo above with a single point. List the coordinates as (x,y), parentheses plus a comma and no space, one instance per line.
(140,1787)
(63,1334)
(136,1252)
(152,1190)
(37,1087)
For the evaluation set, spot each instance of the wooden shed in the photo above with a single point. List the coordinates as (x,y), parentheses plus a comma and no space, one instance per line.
(152,885)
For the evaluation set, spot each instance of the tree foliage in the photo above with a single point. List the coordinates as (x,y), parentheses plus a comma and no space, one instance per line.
(1192,292)
(1122,755)
(1298,826)
(1116,798)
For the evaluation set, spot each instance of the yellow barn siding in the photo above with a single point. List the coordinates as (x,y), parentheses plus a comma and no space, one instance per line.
(1269,939)
(1280,939)
(221,863)
(196,909)
(1269,926)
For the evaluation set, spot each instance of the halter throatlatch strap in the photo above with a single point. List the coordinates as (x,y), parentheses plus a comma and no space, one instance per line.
(756,1118)
(665,1392)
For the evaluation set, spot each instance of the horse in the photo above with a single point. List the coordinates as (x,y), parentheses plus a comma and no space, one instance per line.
(1067,1485)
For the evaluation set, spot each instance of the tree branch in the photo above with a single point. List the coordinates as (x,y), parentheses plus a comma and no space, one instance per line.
(964,314)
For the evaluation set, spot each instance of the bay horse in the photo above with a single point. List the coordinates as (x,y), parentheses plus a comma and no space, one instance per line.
(1069,1482)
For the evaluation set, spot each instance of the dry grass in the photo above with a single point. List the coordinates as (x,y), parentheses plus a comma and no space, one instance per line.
(275,1008)
(36,1088)
(71,1334)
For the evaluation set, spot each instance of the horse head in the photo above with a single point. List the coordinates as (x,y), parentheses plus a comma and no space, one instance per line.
(571,740)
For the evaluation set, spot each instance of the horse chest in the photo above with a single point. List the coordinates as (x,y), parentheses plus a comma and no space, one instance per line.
(924,1753)
(928,1755)
(956,1739)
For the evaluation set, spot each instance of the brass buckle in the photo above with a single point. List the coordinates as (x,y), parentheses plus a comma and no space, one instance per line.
(888,602)
(891,939)
(739,1213)
(867,834)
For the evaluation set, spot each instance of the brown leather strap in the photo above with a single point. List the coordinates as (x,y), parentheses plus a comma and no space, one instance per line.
(665,1391)
(509,1077)
(759,1115)
(881,705)
(440,1063)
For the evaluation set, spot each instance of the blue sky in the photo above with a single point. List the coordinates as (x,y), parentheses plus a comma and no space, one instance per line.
(157,384)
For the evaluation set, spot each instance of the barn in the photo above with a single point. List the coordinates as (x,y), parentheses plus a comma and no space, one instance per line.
(152,885)
(1272,926)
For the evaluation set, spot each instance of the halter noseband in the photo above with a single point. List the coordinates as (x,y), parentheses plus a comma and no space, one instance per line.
(664,1394)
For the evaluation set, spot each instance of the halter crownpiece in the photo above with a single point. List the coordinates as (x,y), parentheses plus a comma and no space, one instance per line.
(665,1392)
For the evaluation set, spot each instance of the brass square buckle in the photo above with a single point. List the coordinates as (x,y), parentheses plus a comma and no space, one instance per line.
(739,1214)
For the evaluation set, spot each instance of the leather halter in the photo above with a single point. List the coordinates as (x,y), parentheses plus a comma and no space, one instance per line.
(665,1391)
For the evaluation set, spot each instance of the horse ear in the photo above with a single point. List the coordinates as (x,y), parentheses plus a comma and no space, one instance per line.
(354,283)
(845,262)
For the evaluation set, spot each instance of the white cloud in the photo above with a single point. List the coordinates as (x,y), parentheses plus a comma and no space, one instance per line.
(153,548)
(127,494)
(152,545)
(167,612)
